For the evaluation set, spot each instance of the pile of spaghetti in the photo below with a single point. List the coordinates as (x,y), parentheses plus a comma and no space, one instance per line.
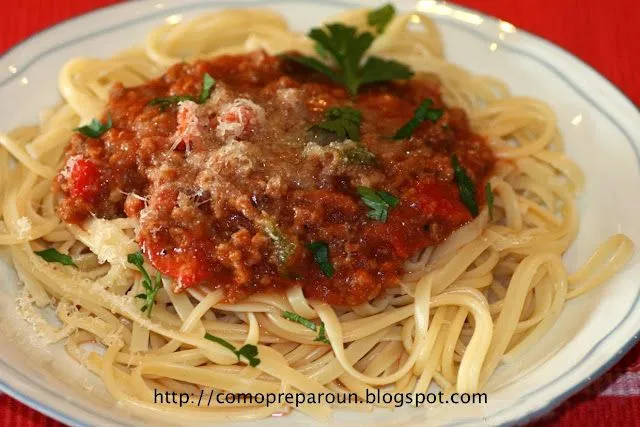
(484,296)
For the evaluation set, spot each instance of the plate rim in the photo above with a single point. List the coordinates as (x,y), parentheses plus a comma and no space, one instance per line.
(557,399)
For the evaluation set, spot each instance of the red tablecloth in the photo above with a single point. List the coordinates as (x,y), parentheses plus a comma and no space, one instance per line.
(603,33)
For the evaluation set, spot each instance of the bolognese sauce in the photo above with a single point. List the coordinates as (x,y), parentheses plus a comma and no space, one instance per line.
(243,191)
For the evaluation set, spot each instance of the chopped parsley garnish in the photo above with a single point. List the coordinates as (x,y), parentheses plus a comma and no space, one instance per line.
(466,188)
(249,351)
(380,18)
(347,48)
(422,113)
(359,155)
(489,194)
(322,337)
(379,201)
(168,101)
(320,252)
(151,288)
(208,83)
(52,255)
(95,129)
(343,121)
(282,246)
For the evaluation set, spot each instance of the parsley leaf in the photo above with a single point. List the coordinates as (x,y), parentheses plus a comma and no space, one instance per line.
(52,255)
(222,342)
(294,317)
(343,121)
(382,70)
(316,64)
(489,194)
(322,52)
(137,259)
(466,188)
(95,129)
(168,101)
(379,201)
(249,351)
(150,288)
(322,335)
(208,83)
(282,246)
(380,18)
(320,252)
(347,47)
(422,113)
(359,155)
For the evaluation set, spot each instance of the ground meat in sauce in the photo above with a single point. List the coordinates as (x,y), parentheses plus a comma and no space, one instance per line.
(207,181)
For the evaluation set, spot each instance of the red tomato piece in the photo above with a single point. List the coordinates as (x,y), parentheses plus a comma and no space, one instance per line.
(442,200)
(85,179)
(190,267)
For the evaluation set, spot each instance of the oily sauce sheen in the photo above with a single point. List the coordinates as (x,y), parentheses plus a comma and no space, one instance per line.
(231,192)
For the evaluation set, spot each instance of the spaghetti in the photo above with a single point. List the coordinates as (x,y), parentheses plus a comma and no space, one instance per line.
(480,298)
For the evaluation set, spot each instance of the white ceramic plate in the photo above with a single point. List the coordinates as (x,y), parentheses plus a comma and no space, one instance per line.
(602,129)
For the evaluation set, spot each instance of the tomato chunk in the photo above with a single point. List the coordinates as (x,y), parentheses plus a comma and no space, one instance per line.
(430,211)
(85,180)
(240,119)
(188,266)
(442,201)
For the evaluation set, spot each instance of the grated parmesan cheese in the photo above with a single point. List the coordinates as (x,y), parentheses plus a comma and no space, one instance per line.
(23,224)
(68,167)
(329,155)
(188,124)
(220,95)
(114,339)
(276,187)
(239,118)
(291,97)
(108,241)
(236,155)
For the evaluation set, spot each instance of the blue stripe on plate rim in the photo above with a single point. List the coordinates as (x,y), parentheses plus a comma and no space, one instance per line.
(54,413)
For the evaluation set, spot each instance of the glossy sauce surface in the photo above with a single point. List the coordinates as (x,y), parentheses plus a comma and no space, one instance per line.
(231,192)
